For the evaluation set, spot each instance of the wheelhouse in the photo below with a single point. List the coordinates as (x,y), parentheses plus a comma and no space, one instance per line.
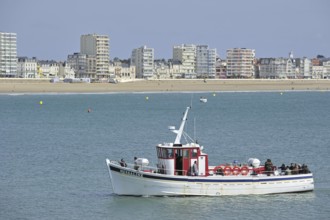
(178,159)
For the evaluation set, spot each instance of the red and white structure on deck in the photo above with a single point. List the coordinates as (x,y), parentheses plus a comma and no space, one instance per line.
(173,174)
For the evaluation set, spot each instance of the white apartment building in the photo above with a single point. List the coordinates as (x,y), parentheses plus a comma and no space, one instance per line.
(240,63)
(326,66)
(205,61)
(186,55)
(121,70)
(27,67)
(143,60)
(8,54)
(318,72)
(48,69)
(162,69)
(96,47)
(66,71)
(303,68)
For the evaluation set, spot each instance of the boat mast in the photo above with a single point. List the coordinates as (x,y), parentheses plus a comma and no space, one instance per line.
(180,131)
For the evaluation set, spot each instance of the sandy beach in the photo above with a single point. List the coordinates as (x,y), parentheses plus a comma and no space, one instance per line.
(215,85)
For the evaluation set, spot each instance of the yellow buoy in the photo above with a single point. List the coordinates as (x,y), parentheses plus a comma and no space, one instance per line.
(213,94)
(281,93)
(147,97)
(40,102)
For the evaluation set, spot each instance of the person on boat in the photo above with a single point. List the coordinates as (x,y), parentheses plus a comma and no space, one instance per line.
(136,166)
(268,167)
(287,170)
(295,169)
(282,168)
(195,169)
(305,169)
(123,163)
(220,171)
(291,166)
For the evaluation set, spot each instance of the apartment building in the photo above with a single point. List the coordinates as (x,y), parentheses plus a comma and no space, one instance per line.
(240,63)
(78,63)
(277,68)
(221,68)
(96,47)
(186,55)
(143,60)
(8,54)
(27,67)
(303,68)
(205,61)
(326,66)
(318,72)
(48,68)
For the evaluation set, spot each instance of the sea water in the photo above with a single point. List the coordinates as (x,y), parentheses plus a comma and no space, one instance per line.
(52,153)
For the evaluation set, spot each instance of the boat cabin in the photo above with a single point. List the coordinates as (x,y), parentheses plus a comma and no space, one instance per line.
(178,159)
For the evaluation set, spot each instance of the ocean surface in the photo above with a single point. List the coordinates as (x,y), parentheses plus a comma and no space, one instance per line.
(52,155)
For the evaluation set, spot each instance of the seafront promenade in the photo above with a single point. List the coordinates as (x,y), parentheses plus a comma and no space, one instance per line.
(177,85)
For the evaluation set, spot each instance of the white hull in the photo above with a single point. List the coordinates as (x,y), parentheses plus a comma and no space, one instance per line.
(127,181)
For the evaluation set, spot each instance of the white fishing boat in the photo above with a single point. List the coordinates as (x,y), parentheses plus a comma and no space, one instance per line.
(184,170)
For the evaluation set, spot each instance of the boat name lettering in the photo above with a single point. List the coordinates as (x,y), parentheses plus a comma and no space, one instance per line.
(131,173)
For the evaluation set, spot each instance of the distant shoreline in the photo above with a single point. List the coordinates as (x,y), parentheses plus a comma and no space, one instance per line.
(13,86)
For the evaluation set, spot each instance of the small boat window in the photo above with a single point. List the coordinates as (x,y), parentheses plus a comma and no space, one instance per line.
(170,153)
(194,153)
(186,153)
(159,152)
(164,153)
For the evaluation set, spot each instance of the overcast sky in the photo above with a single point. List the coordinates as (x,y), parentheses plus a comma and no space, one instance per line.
(51,29)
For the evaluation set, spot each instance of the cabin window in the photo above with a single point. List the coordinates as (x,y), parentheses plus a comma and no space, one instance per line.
(170,153)
(186,153)
(194,153)
(159,152)
(164,153)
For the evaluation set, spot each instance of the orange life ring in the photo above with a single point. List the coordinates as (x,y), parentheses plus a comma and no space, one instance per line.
(244,170)
(227,170)
(236,170)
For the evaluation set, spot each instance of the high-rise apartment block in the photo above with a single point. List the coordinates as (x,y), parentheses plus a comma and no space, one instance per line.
(143,60)
(205,61)
(8,54)
(240,63)
(96,47)
(186,55)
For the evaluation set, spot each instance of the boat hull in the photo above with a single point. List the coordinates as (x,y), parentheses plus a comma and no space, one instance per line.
(126,181)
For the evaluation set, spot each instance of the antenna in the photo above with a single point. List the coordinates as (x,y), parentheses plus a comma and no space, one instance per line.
(195,129)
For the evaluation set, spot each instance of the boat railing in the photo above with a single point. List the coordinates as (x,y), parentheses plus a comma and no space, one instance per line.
(133,166)
(231,170)
(149,169)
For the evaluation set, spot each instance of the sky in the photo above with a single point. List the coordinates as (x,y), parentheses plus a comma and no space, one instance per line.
(49,29)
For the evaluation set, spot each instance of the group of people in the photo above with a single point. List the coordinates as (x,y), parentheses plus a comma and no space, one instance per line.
(123,163)
(294,169)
